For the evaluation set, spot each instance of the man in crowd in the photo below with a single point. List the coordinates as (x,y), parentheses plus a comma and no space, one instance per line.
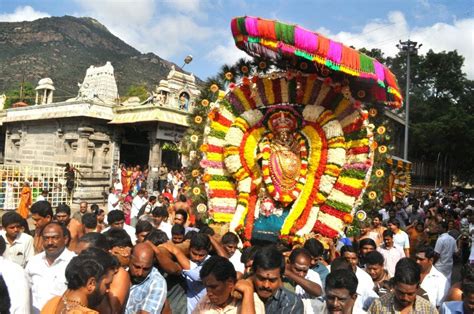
(148,290)
(113,200)
(116,219)
(444,250)
(43,196)
(89,277)
(16,281)
(403,298)
(160,215)
(230,241)
(341,287)
(466,305)
(42,214)
(374,266)
(177,234)
(89,223)
(19,244)
(180,218)
(120,245)
(142,229)
(316,249)
(220,279)
(365,246)
(268,269)
(432,280)
(63,216)
(400,237)
(364,280)
(83,206)
(46,270)
(138,201)
(391,252)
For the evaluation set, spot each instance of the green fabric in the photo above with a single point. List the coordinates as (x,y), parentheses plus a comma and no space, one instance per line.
(340,206)
(287,33)
(217,134)
(366,64)
(241,25)
(356,174)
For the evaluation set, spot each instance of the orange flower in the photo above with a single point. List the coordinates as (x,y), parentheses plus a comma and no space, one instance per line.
(347,218)
(207,177)
(381,130)
(214,88)
(195,173)
(205,102)
(211,115)
(198,119)
(204,148)
(375,145)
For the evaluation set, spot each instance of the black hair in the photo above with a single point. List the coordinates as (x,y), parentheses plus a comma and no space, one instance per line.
(230,238)
(407,271)
(182,198)
(428,250)
(374,258)
(387,233)
(342,279)
(190,234)
(200,242)
(315,247)
(395,222)
(114,216)
(42,208)
(63,208)
(3,246)
(10,218)
(152,198)
(118,237)
(348,248)
(89,220)
(444,225)
(467,272)
(143,226)
(96,239)
(178,230)
(248,254)
(92,262)
(220,267)
(367,241)
(268,258)
(159,211)
(183,213)
(207,230)
(340,263)
(297,252)
(5,302)
(64,229)
(95,208)
(467,288)
(157,237)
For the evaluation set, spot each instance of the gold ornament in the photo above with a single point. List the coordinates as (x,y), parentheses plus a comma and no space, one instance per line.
(262,65)
(361,215)
(372,195)
(195,173)
(198,119)
(205,102)
(379,173)
(381,130)
(245,69)
(201,208)
(229,76)
(382,149)
(214,88)
(373,112)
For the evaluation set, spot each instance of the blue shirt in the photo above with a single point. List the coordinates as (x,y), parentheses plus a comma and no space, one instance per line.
(196,290)
(452,307)
(149,295)
(284,302)
(322,270)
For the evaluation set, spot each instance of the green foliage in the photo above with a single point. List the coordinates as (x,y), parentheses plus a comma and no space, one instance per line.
(139,91)
(27,95)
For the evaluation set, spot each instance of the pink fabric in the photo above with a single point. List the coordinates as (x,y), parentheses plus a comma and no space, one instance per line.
(306,40)
(335,52)
(286,48)
(379,72)
(251,26)
(212,164)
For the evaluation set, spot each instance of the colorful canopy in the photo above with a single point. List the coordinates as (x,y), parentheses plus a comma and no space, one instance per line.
(274,39)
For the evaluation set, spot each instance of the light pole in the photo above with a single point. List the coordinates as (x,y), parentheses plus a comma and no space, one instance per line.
(187,60)
(407,47)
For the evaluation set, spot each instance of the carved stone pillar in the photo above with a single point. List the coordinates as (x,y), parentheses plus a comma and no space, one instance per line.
(82,152)
(154,159)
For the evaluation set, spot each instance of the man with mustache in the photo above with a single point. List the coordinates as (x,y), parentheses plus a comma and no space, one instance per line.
(63,216)
(88,276)
(268,269)
(341,292)
(45,271)
(148,290)
(42,214)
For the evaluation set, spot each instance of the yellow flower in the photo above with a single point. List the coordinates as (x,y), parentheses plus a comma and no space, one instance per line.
(196,191)
(381,130)
(201,208)
(214,88)
(229,76)
(373,112)
(361,215)
(205,102)
(195,173)
(379,173)
(194,138)
(382,149)
(198,119)
(372,195)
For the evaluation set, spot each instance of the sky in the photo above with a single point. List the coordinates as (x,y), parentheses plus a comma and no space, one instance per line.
(174,29)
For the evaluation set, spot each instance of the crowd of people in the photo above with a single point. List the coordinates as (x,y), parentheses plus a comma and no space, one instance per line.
(147,253)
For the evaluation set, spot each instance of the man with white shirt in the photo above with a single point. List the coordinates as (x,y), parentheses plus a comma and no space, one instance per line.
(113,200)
(43,196)
(432,280)
(391,252)
(116,219)
(19,244)
(46,271)
(445,248)
(229,242)
(138,201)
(160,215)
(17,283)
(400,237)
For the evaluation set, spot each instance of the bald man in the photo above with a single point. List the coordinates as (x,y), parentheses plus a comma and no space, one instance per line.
(148,290)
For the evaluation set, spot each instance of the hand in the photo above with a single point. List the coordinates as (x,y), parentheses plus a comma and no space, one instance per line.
(244,286)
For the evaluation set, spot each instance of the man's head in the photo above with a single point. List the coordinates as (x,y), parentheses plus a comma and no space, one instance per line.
(116,219)
(392,213)
(177,234)
(142,229)
(92,239)
(424,257)
(248,254)
(141,193)
(152,200)
(315,248)
(300,262)
(394,225)
(55,237)
(11,223)
(406,282)
(83,207)
(468,296)
(44,192)
(41,213)
(180,217)
(199,248)
(91,274)
(388,238)
(89,221)
(377,220)
(268,268)
(157,237)
(159,214)
(374,262)
(63,213)
(230,241)
(120,245)
(365,246)
(349,253)
(218,276)
(340,288)
(141,262)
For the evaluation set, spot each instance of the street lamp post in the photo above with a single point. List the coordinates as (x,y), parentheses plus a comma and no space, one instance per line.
(187,60)
(407,47)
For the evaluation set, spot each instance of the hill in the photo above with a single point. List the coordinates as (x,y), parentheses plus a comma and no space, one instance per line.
(62,48)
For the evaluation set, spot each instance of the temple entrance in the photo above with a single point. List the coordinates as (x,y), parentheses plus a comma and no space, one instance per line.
(170,155)
(135,147)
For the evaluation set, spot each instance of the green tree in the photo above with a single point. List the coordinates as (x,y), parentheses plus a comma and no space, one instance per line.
(27,95)
(140,91)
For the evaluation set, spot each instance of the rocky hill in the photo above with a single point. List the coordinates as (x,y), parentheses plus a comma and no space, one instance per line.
(62,48)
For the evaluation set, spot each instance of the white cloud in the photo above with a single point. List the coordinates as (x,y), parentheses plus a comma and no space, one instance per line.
(21,14)
(226,53)
(385,34)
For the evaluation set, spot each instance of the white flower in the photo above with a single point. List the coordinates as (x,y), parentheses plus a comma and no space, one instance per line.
(337,156)
(326,183)
(234,136)
(312,112)
(313,216)
(332,129)
(232,163)
(252,116)
(331,221)
(340,197)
